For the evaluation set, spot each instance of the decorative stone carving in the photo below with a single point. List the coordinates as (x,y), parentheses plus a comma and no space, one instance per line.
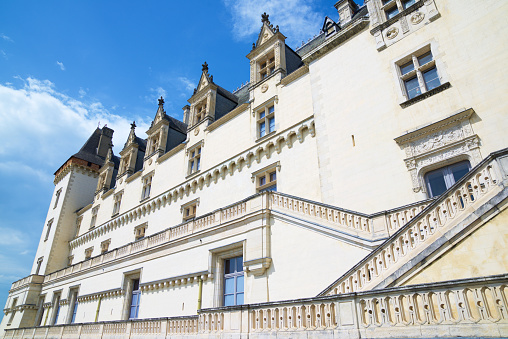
(392,33)
(430,145)
(404,24)
(264,87)
(417,17)
(196,131)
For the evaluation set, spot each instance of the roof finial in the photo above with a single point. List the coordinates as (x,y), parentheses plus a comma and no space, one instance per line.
(264,18)
(161,101)
(205,67)
(133,125)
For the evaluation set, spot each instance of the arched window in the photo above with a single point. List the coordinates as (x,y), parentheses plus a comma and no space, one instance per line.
(439,180)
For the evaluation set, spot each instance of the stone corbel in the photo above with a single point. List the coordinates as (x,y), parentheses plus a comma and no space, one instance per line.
(432,11)
(258,266)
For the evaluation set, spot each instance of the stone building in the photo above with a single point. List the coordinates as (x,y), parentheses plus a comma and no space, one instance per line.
(355,187)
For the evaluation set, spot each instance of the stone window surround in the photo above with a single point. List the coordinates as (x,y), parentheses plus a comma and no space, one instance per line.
(440,65)
(263,171)
(273,101)
(95,212)
(140,231)
(217,257)
(439,144)
(88,253)
(57,197)
(49,224)
(193,203)
(117,201)
(200,144)
(105,245)
(146,185)
(128,278)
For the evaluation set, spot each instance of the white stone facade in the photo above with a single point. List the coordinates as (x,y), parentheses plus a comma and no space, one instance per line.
(351,226)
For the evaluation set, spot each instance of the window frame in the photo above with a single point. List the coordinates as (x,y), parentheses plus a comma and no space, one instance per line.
(266,173)
(189,210)
(194,158)
(117,202)
(447,175)
(266,65)
(200,111)
(48,228)
(217,257)
(88,253)
(140,231)
(146,186)
(234,275)
(57,197)
(93,219)
(105,246)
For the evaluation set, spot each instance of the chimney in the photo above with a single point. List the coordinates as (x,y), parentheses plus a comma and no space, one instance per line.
(186,113)
(105,141)
(346,9)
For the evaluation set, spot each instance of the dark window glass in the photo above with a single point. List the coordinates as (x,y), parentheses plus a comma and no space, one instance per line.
(438,181)
(271,127)
(390,13)
(408,3)
(431,78)
(412,87)
(425,58)
(406,68)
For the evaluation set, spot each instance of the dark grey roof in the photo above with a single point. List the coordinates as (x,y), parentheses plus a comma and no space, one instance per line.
(293,60)
(176,124)
(243,94)
(362,11)
(225,102)
(175,138)
(89,150)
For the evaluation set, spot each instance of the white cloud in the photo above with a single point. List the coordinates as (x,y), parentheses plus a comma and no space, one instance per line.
(61,65)
(5,37)
(81,92)
(187,83)
(2,52)
(296,18)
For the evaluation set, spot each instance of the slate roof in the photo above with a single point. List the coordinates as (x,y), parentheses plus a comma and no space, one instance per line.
(89,150)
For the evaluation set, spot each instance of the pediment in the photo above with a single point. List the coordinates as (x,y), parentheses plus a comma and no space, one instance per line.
(204,81)
(264,35)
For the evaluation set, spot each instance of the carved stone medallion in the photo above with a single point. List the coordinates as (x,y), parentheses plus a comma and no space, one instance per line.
(120,181)
(196,131)
(417,17)
(264,88)
(392,33)
(149,161)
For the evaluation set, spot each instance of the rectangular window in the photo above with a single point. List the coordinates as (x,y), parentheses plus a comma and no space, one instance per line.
(194,160)
(406,4)
(419,75)
(189,212)
(266,121)
(39,263)
(135,298)
(95,211)
(88,253)
(266,65)
(200,111)
(391,12)
(105,246)
(233,281)
(139,231)
(48,229)
(267,181)
(73,306)
(69,260)
(117,202)
(56,309)
(147,186)
(13,311)
(438,181)
(74,310)
(57,197)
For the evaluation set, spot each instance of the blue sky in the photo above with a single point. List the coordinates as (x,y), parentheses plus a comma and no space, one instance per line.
(66,66)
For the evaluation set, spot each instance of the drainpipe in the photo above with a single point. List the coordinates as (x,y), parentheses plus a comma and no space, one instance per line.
(200,293)
(98,308)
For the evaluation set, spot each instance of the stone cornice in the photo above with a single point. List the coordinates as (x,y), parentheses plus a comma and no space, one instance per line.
(295,75)
(78,164)
(170,153)
(236,111)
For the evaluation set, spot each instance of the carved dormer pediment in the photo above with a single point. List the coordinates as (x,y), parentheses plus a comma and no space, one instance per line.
(107,172)
(129,153)
(158,132)
(330,27)
(267,30)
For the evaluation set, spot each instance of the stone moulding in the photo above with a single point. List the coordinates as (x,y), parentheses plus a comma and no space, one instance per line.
(425,95)
(444,213)
(468,306)
(176,281)
(237,162)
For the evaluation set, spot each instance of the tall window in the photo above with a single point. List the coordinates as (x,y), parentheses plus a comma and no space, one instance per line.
(147,186)
(438,181)
(266,121)
(39,263)
(13,311)
(56,310)
(73,306)
(116,204)
(266,65)
(194,159)
(57,197)
(48,229)
(419,75)
(135,296)
(200,111)
(95,211)
(233,281)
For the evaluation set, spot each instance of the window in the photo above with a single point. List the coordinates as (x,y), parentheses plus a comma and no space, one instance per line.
(391,12)
(135,296)
(266,65)
(48,229)
(267,181)
(139,231)
(88,253)
(438,181)
(147,186)
(39,263)
(117,201)
(200,111)
(105,246)
(419,74)
(73,306)
(189,212)
(393,7)
(57,197)
(125,164)
(56,309)
(13,311)
(95,211)
(266,121)
(194,159)
(69,260)
(233,281)
(78,225)
(154,142)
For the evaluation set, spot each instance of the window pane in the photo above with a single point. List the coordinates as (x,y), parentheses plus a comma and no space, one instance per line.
(239,299)
(409,3)
(273,176)
(406,68)
(272,124)
(436,183)
(229,300)
(427,57)
(390,13)
(272,188)
(229,285)
(135,284)
(271,109)
(385,1)
(431,79)
(262,181)
(459,170)
(239,264)
(227,266)
(198,163)
(412,87)
(261,115)
(239,284)
(261,129)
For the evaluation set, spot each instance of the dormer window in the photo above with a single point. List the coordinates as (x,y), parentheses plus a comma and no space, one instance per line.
(125,164)
(266,66)
(155,144)
(200,112)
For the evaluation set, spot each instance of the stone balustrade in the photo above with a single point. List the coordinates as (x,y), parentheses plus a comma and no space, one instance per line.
(31,279)
(421,231)
(469,307)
